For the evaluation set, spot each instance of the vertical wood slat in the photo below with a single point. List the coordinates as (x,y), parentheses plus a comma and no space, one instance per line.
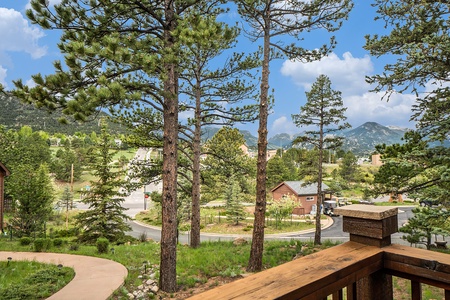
(338,295)
(447,294)
(351,291)
(416,290)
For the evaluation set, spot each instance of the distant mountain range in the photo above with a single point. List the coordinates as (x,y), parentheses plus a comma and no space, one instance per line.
(15,114)
(360,140)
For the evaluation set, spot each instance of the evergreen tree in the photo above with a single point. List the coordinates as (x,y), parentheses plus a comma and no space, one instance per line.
(66,164)
(419,38)
(225,159)
(324,110)
(66,203)
(123,56)
(215,94)
(235,210)
(272,21)
(426,222)
(33,193)
(279,169)
(348,168)
(105,217)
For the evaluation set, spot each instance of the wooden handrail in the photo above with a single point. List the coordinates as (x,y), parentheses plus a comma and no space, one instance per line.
(363,266)
(312,277)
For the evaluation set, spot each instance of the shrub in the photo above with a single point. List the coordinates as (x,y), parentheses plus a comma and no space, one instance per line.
(57,242)
(42,244)
(143,237)
(74,247)
(102,245)
(25,241)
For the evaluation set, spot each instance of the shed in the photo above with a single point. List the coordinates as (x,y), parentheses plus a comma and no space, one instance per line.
(3,173)
(305,194)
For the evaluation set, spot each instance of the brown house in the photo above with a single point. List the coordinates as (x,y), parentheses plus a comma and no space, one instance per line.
(306,195)
(3,173)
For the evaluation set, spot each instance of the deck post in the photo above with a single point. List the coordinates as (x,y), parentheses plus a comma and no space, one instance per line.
(371,225)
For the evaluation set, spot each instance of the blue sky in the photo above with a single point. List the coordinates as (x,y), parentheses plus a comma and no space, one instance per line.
(26,49)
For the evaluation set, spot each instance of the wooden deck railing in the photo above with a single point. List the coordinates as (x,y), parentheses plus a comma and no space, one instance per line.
(359,269)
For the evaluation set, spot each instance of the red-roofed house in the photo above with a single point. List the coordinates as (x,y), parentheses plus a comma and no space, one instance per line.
(305,194)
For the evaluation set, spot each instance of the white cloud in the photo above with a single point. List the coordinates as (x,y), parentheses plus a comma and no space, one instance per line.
(348,76)
(2,76)
(371,107)
(17,35)
(283,125)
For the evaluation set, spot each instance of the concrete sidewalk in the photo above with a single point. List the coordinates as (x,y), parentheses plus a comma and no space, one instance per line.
(95,278)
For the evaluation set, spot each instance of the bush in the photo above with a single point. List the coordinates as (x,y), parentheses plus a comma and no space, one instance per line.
(74,247)
(25,241)
(102,245)
(42,244)
(57,242)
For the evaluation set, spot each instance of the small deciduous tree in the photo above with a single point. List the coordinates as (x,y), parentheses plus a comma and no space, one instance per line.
(282,208)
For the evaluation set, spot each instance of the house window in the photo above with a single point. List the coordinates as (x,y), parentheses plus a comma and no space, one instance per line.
(309,198)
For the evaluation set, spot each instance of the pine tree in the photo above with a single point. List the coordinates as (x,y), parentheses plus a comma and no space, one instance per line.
(269,21)
(235,210)
(105,217)
(324,110)
(66,202)
(32,190)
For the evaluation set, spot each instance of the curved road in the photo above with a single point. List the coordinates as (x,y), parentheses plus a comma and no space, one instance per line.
(334,232)
(135,204)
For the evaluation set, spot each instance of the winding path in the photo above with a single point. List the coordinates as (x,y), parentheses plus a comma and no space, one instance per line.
(95,278)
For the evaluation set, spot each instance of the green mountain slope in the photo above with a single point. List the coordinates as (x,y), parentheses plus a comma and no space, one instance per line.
(14,115)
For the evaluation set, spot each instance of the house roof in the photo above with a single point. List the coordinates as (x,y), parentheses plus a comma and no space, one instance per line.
(4,169)
(300,188)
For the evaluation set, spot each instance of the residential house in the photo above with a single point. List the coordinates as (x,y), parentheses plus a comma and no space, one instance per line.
(376,160)
(306,195)
(3,173)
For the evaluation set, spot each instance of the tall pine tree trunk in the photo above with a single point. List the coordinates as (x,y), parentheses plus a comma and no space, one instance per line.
(256,252)
(195,218)
(318,232)
(168,275)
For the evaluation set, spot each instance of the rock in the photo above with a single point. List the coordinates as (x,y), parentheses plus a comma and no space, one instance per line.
(239,241)
(130,296)
(154,289)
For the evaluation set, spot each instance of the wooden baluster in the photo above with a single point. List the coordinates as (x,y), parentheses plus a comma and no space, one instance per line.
(338,295)
(351,292)
(416,290)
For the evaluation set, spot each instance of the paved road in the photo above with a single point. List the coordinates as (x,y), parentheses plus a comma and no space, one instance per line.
(334,232)
(135,204)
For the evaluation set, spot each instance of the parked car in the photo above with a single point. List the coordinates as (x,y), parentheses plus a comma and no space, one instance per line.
(428,202)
